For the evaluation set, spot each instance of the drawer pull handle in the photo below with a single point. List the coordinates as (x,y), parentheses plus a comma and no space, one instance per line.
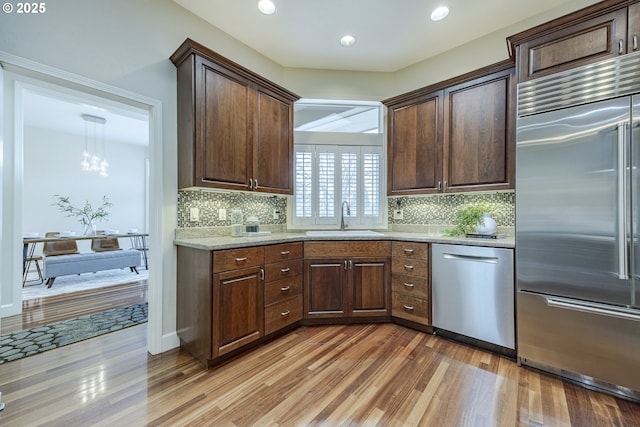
(408,251)
(408,307)
(285,270)
(283,253)
(408,267)
(285,288)
(409,285)
(285,313)
(241,259)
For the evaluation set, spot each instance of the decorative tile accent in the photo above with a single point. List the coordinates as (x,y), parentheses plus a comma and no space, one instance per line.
(210,202)
(440,209)
(435,210)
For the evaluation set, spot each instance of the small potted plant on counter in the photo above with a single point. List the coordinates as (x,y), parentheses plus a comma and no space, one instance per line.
(86,215)
(473,219)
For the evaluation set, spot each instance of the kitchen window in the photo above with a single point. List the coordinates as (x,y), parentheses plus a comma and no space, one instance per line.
(339,156)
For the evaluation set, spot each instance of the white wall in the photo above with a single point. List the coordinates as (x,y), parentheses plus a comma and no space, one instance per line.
(127,43)
(125,185)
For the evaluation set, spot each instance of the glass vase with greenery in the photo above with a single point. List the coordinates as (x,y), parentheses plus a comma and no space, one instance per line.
(86,215)
(467,217)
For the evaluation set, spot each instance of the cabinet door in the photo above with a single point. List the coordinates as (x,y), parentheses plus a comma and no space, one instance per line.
(479,134)
(274,148)
(224,134)
(572,46)
(633,28)
(238,303)
(370,279)
(325,288)
(415,155)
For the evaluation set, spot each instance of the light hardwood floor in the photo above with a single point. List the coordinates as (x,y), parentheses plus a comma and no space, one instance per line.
(42,311)
(358,375)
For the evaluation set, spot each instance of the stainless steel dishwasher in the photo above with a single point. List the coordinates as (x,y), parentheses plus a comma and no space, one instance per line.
(473,292)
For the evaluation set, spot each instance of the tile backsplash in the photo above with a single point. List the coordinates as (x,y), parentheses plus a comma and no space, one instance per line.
(440,209)
(209,203)
(437,209)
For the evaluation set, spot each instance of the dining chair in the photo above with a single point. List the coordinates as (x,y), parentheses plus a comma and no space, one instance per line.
(60,247)
(105,244)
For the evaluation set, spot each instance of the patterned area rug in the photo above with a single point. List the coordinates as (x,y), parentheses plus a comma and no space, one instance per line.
(36,340)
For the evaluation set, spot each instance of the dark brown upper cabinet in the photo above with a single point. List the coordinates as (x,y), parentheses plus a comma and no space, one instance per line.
(457,135)
(603,30)
(235,128)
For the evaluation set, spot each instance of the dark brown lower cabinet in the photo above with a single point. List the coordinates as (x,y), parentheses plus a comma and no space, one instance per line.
(238,318)
(369,279)
(355,283)
(325,288)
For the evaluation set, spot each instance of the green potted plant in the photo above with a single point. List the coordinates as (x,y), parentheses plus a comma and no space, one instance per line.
(86,215)
(468,217)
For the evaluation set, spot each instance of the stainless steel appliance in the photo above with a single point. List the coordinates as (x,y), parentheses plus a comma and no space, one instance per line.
(577,224)
(473,292)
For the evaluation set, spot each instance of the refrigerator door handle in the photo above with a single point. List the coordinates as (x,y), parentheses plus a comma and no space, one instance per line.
(594,308)
(623,255)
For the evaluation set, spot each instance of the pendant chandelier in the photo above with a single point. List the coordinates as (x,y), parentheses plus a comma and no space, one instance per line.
(94,139)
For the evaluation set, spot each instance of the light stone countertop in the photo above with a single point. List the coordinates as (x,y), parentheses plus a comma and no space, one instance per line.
(228,242)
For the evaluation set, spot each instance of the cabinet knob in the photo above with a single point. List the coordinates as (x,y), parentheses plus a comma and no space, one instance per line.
(621,46)
(408,307)
(409,285)
(256,184)
(285,313)
(285,253)
(241,259)
(250,183)
(408,251)
(635,42)
(285,270)
(408,267)
(285,288)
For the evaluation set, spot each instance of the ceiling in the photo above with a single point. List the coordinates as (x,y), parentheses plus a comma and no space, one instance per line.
(390,35)
(62,113)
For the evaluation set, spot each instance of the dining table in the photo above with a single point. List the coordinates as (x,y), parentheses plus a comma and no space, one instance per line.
(138,241)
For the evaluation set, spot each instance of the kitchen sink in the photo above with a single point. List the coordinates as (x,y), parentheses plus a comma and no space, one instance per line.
(345,233)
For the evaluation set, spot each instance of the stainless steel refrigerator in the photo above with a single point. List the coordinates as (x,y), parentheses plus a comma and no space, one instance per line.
(577,224)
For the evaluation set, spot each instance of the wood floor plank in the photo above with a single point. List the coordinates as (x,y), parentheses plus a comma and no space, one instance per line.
(356,375)
(43,311)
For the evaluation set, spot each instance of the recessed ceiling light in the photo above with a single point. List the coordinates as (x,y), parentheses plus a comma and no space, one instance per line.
(439,13)
(267,7)
(347,41)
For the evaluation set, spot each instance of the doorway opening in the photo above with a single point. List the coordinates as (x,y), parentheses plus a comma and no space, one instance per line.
(26,89)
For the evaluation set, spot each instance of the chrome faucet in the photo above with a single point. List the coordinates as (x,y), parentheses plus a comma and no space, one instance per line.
(342,225)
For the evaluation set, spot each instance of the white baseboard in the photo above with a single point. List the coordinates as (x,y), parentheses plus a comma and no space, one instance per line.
(170,341)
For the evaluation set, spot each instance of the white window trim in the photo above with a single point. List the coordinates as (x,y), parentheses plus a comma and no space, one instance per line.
(341,141)
(357,219)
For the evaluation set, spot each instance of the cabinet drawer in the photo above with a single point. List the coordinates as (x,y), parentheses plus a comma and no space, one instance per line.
(347,249)
(281,289)
(282,314)
(410,285)
(282,270)
(410,250)
(410,308)
(285,251)
(232,259)
(413,267)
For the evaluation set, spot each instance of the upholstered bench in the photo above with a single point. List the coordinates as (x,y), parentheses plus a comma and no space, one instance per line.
(90,262)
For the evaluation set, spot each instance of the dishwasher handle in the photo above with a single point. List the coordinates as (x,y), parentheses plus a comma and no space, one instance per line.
(461,257)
